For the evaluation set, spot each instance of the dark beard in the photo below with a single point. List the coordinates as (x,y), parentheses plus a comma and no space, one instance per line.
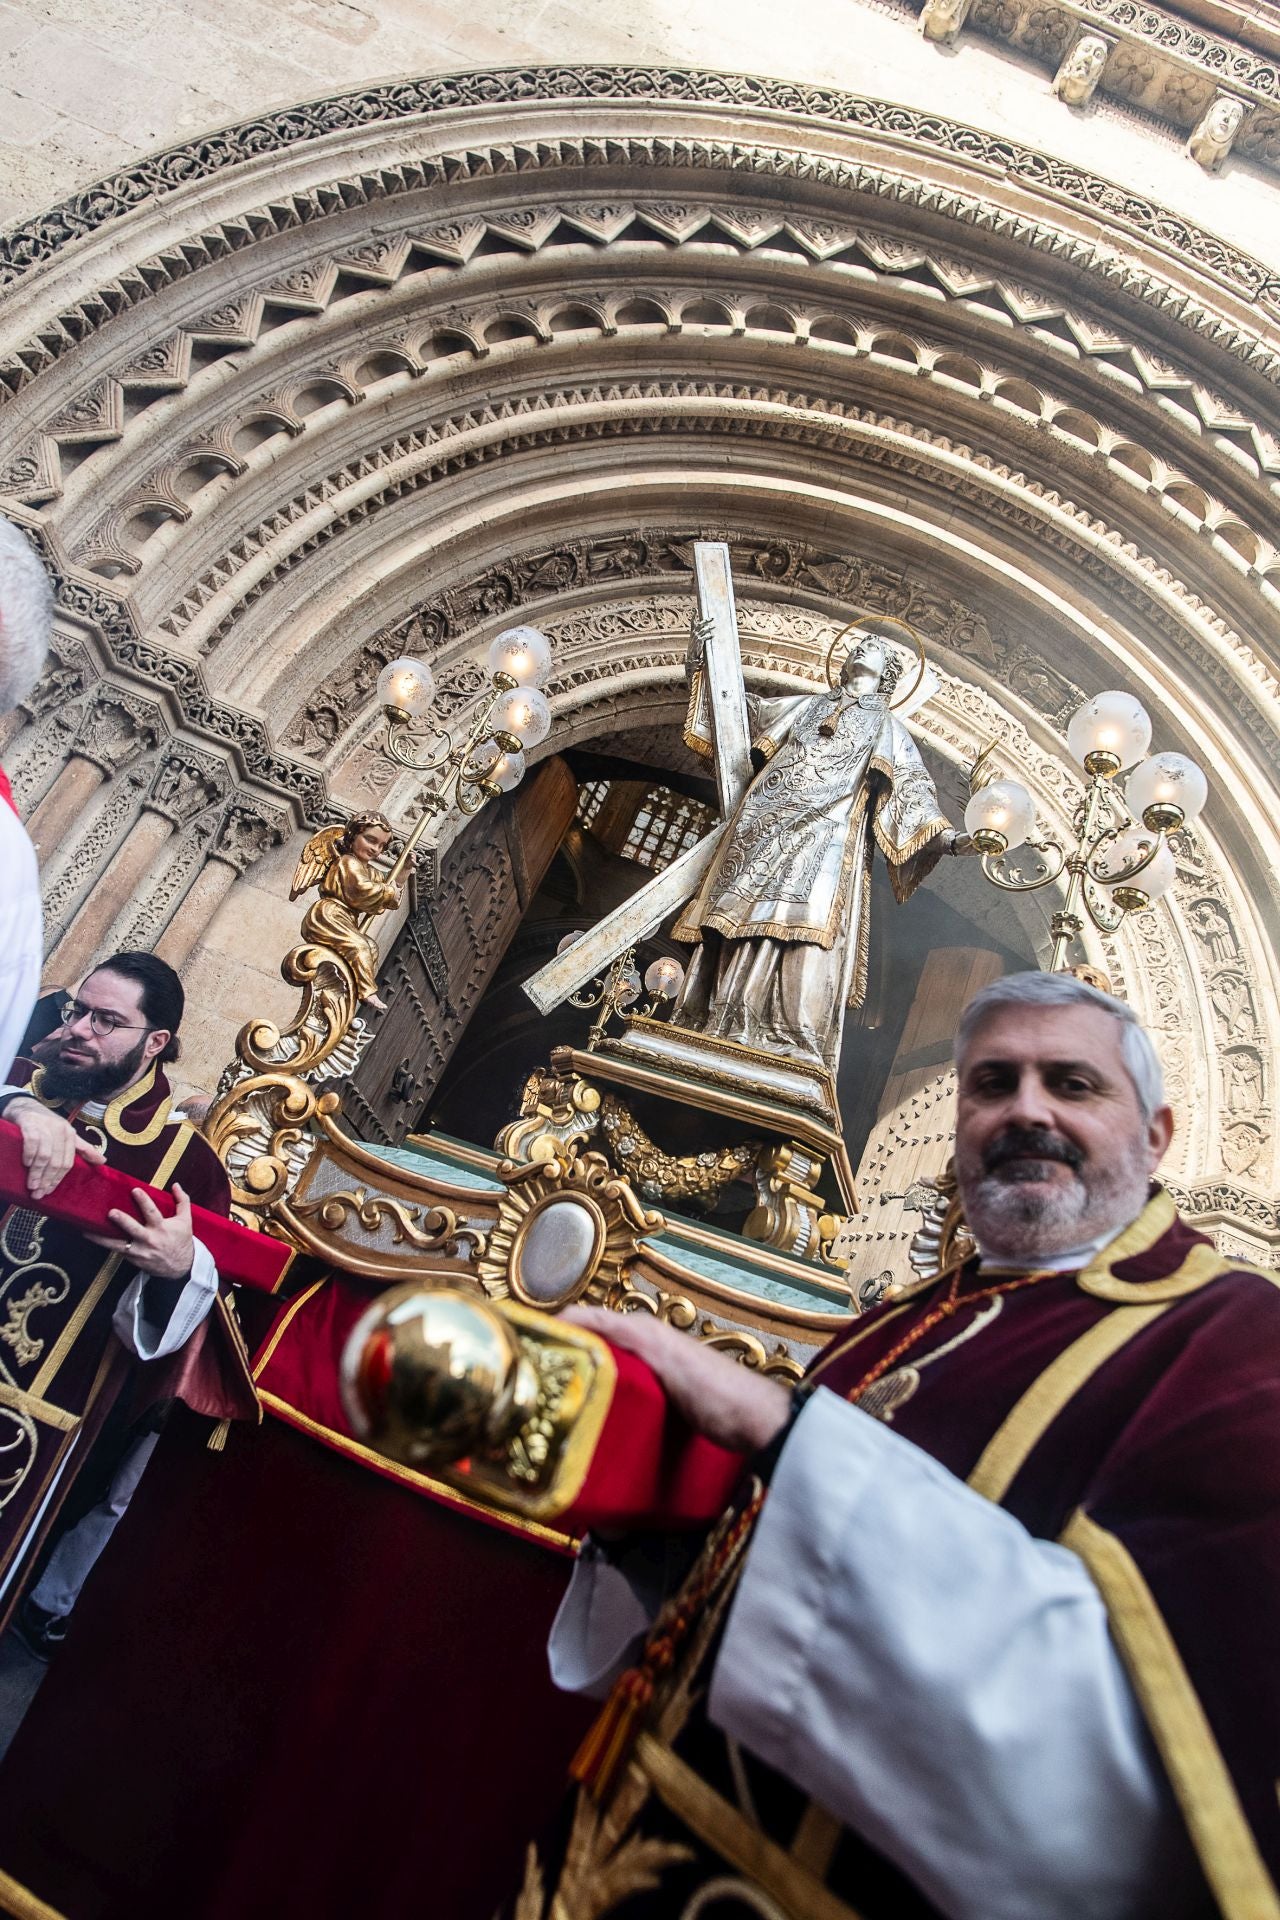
(62,1082)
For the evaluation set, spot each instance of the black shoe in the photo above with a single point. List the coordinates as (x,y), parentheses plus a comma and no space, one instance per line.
(41,1633)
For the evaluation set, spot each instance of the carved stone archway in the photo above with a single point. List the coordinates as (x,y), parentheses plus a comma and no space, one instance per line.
(382,369)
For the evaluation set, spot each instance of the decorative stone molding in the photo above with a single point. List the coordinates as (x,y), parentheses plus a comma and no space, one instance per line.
(118,721)
(1161,62)
(773,306)
(1172,236)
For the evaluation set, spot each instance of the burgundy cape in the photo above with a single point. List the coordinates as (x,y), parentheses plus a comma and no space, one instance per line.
(61,1366)
(1131,1412)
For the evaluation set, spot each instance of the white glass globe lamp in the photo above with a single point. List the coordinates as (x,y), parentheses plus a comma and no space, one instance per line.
(1167,791)
(568,940)
(507,771)
(664,978)
(1000,816)
(628,987)
(1109,733)
(523,654)
(524,712)
(1114,863)
(407,686)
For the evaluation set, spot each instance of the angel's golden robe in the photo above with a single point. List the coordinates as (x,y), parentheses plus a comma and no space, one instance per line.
(351,890)
(787,893)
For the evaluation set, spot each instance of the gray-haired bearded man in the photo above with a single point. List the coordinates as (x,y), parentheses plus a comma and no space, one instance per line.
(998,1652)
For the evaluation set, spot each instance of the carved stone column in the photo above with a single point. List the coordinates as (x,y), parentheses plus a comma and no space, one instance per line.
(65,801)
(185,784)
(115,729)
(244,836)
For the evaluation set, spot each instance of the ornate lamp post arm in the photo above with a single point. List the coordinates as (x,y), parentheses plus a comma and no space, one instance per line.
(468,775)
(1120,862)
(619,989)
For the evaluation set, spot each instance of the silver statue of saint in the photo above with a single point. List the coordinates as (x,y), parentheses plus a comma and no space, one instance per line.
(781,918)
(776,895)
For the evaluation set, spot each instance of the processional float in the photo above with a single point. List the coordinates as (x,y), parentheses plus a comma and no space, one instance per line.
(323,1653)
(578,1200)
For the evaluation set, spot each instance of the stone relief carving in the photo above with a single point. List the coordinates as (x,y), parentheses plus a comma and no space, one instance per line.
(653,553)
(1214,135)
(116,727)
(40,753)
(154,666)
(1243,1079)
(186,784)
(247,832)
(1077,78)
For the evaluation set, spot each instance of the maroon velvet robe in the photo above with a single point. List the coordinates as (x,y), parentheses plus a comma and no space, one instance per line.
(1130,1411)
(61,1366)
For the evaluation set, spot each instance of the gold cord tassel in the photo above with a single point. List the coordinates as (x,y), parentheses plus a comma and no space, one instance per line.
(218,1438)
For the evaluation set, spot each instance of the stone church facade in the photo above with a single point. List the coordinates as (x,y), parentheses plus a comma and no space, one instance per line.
(375,374)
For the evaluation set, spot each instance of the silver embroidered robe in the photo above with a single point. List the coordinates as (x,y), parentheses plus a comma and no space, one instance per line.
(788,892)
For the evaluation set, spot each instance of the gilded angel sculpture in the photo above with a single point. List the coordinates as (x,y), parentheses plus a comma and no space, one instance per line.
(342,862)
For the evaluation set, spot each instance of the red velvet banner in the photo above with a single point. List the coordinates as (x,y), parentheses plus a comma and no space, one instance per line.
(85,1195)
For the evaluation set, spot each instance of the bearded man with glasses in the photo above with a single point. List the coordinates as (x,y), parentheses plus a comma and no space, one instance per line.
(78,1311)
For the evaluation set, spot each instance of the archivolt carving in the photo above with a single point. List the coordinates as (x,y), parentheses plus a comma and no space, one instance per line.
(143,662)
(1081,391)
(198,475)
(1140,580)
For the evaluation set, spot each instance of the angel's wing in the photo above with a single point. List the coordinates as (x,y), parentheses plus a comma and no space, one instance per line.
(316,858)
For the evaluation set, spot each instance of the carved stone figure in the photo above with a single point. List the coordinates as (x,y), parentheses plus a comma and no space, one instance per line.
(1081,71)
(1232,1003)
(183,787)
(1241,1149)
(341,862)
(1212,927)
(1212,139)
(782,917)
(1243,1071)
(941,20)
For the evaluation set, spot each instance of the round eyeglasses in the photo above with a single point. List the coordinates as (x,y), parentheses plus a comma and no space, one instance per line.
(101,1021)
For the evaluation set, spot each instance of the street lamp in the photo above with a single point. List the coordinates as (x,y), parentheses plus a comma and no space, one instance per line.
(1121,861)
(512,717)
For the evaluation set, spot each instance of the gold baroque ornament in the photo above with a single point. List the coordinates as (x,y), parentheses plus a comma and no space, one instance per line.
(669,1176)
(677,1310)
(566,1227)
(430,1229)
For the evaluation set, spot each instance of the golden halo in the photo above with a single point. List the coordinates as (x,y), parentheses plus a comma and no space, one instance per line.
(884,620)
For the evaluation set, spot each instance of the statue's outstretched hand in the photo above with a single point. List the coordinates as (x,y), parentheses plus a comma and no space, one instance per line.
(958,842)
(699,633)
(720,1398)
